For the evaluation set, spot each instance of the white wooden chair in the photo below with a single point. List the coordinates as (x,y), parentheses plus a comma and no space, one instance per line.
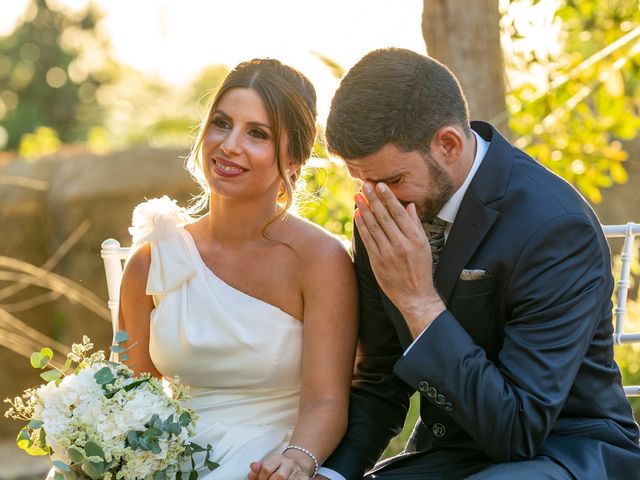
(113,256)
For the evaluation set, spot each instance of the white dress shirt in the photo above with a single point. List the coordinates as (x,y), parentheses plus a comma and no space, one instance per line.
(448,214)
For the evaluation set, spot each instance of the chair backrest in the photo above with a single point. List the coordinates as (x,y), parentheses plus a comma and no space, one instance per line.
(628,232)
(113,256)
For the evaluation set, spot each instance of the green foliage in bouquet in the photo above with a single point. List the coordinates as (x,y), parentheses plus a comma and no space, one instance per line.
(96,420)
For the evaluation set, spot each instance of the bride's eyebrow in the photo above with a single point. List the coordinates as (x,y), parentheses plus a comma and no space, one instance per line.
(226,116)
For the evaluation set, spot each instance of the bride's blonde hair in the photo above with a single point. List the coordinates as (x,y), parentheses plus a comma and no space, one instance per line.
(290,101)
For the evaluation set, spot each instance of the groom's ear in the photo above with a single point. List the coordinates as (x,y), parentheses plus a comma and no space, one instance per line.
(447,144)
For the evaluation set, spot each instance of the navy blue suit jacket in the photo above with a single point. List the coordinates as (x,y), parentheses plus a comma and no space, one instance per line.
(521,362)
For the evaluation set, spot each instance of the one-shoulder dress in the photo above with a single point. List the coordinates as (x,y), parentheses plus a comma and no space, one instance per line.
(240,356)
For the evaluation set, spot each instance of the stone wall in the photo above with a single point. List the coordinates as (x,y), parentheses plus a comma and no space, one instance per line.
(33,223)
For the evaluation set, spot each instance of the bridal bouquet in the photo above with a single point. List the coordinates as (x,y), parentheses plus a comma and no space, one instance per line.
(97,421)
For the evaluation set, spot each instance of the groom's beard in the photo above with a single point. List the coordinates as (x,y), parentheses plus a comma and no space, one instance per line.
(440,192)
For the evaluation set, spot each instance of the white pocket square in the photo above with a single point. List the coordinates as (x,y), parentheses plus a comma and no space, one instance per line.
(467,275)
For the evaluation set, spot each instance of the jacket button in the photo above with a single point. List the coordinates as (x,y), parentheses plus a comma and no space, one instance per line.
(439,399)
(431,392)
(423,386)
(438,430)
(448,406)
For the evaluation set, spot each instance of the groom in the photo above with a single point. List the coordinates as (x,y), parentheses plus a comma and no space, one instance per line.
(508,341)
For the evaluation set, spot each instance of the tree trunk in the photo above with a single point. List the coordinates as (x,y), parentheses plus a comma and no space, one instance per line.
(465,36)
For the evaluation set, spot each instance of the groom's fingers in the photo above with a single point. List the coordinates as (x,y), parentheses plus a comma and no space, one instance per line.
(376,236)
(397,212)
(383,216)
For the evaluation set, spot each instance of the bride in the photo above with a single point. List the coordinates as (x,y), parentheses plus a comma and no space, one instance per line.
(253,308)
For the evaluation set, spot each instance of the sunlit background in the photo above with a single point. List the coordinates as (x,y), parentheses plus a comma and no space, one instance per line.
(99,101)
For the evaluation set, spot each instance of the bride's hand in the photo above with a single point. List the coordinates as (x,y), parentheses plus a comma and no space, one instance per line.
(277,467)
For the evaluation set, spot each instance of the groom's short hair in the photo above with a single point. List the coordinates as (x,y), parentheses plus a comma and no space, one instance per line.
(396,96)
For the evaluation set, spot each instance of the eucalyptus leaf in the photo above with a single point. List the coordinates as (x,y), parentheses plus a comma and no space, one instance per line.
(144,443)
(211,465)
(35,359)
(152,433)
(66,365)
(75,455)
(159,475)
(61,466)
(117,348)
(185,419)
(104,376)
(124,358)
(155,446)
(132,438)
(24,439)
(34,424)
(46,354)
(51,375)
(121,336)
(92,449)
(93,469)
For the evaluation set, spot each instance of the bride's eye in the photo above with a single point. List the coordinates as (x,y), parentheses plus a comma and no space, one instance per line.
(220,123)
(257,133)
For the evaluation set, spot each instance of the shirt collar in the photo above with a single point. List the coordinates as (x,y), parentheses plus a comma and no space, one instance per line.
(450,209)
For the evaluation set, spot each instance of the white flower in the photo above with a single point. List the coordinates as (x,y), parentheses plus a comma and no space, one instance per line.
(156,219)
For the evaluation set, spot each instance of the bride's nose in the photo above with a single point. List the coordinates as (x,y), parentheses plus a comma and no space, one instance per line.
(231,143)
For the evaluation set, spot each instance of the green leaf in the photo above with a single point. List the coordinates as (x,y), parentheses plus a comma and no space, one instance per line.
(58,476)
(211,465)
(117,348)
(121,336)
(93,469)
(152,433)
(51,375)
(155,446)
(75,455)
(178,475)
(104,376)
(34,424)
(66,365)
(185,419)
(159,475)
(24,439)
(197,448)
(35,359)
(46,354)
(193,475)
(132,438)
(145,443)
(61,466)
(92,449)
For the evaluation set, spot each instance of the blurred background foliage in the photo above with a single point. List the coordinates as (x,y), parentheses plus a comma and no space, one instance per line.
(572,107)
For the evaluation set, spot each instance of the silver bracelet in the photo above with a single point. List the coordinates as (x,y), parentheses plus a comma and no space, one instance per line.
(304,450)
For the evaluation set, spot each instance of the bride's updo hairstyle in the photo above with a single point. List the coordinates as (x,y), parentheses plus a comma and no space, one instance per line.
(290,101)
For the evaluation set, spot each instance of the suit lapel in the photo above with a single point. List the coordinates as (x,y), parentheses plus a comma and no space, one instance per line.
(475,217)
(471,225)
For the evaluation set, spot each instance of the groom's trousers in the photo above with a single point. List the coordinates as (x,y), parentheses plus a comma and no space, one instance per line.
(445,464)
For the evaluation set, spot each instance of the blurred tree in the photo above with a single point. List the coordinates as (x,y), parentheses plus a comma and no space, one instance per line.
(50,69)
(572,68)
(468,42)
(585,96)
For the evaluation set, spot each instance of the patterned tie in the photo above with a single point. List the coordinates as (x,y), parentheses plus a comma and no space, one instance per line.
(435,233)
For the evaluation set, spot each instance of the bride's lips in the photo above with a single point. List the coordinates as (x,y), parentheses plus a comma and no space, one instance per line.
(225,168)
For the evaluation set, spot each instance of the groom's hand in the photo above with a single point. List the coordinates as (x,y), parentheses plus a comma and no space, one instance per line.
(399,254)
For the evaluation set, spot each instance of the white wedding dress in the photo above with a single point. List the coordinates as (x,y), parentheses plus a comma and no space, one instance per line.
(241,356)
